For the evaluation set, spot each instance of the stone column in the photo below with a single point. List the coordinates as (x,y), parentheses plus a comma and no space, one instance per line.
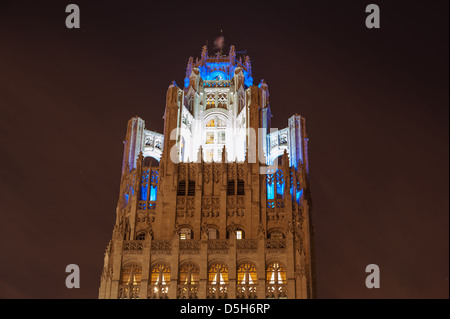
(146,262)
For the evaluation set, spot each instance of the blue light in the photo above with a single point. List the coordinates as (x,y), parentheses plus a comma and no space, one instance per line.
(215,71)
(143,192)
(153,191)
(280,183)
(126,198)
(270,191)
(280,188)
(186,82)
(248,81)
(299,195)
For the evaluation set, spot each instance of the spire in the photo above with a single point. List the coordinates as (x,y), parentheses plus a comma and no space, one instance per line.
(189,66)
(232,55)
(204,53)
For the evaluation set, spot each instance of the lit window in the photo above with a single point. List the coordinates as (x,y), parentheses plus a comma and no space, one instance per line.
(159,281)
(221,137)
(247,274)
(131,275)
(185,233)
(218,274)
(210,138)
(239,234)
(276,274)
(189,274)
(221,123)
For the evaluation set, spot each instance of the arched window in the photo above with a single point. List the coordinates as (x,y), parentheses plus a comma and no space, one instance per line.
(140,236)
(247,280)
(217,281)
(215,139)
(240,233)
(186,233)
(276,234)
(275,281)
(130,282)
(150,161)
(213,233)
(188,281)
(159,281)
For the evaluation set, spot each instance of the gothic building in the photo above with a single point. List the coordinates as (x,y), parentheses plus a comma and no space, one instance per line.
(219,205)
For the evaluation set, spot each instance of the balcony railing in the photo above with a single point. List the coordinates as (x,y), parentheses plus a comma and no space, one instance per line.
(218,245)
(129,291)
(144,204)
(247,291)
(159,291)
(247,245)
(189,291)
(217,291)
(275,244)
(189,244)
(133,245)
(276,291)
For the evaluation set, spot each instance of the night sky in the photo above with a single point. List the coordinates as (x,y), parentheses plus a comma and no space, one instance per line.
(375,102)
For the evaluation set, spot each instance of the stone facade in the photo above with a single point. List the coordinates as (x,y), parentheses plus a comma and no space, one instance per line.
(219,205)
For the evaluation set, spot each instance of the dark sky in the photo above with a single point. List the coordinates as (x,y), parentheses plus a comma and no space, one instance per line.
(375,101)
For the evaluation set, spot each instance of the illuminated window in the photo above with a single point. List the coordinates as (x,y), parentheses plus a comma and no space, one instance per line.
(247,274)
(130,282)
(276,274)
(210,138)
(275,281)
(188,280)
(153,192)
(159,281)
(189,274)
(280,184)
(215,138)
(247,280)
(131,275)
(221,137)
(185,233)
(240,234)
(221,123)
(217,281)
(218,274)
(210,100)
